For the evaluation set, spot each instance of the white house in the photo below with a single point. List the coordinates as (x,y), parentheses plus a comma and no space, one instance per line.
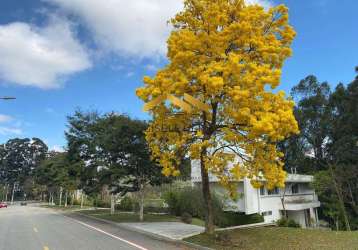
(299,199)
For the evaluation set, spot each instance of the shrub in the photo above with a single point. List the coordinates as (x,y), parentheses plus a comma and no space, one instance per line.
(292,223)
(186,218)
(228,219)
(283,222)
(126,204)
(171,197)
(189,200)
(103,204)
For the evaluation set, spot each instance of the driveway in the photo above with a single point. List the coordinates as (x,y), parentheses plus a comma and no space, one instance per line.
(171,230)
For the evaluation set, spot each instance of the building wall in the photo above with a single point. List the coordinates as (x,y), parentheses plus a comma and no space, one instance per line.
(298,216)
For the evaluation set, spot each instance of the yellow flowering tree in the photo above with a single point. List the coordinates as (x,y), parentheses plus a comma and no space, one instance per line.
(227,55)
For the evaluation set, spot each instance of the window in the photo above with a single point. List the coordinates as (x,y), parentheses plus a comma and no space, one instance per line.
(274,191)
(262,191)
(294,189)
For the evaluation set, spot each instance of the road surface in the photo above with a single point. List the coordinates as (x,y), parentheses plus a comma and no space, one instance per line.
(36,228)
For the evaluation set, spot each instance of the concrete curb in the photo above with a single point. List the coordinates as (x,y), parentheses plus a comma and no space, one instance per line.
(152,235)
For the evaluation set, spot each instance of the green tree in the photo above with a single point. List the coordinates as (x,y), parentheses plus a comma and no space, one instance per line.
(308,150)
(82,151)
(115,154)
(124,150)
(19,159)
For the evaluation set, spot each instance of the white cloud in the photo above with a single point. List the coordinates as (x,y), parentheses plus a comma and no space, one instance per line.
(58,148)
(129,28)
(49,110)
(265,3)
(10,131)
(5,118)
(40,56)
(151,67)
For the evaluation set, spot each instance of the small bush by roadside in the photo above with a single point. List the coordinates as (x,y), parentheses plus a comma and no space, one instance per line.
(283,222)
(186,218)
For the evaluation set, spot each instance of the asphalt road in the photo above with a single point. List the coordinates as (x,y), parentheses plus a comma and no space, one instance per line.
(35,228)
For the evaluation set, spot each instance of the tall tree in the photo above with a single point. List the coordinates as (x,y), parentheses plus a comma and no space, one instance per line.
(313,112)
(343,149)
(224,57)
(124,150)
(82,150)
(19,158)
(115,153)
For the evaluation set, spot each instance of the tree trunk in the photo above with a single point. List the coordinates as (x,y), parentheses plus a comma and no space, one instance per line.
(12,195)
(82,199)
(340,199)
(7,190)
(60,202)
(283,201)
(112,203)
(353,202)
(208,206)
(66,196)
(3,195)
(73,198)
(141,203)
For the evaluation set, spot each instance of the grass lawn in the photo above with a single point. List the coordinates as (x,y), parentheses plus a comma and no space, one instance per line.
(279,238)
(134,217)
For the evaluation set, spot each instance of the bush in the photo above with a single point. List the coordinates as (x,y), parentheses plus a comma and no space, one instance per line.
(171,197)
(292,223)
(229,219)
(190,200)
(186,218)
(283,222)
(126,204)
(103,204)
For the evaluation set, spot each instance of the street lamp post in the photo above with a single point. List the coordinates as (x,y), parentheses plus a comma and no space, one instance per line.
(7,98)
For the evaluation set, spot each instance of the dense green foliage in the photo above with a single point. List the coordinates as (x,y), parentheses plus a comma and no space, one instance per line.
(19,158)
(189,200)
(328,146)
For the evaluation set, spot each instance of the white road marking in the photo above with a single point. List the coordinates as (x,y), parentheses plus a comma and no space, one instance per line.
(35,229)
(111,235)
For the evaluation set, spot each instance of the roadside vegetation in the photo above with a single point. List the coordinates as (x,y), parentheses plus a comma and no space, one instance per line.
(214,102)
(278,238)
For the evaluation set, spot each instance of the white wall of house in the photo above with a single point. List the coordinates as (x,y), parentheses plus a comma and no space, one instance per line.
(300,199)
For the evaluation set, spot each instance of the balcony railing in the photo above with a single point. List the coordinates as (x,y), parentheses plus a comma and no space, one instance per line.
(300,198)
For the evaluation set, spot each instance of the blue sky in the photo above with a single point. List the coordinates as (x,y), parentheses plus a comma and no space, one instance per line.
(59,55)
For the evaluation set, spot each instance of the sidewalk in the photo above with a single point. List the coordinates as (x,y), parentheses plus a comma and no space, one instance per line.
(171,230)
